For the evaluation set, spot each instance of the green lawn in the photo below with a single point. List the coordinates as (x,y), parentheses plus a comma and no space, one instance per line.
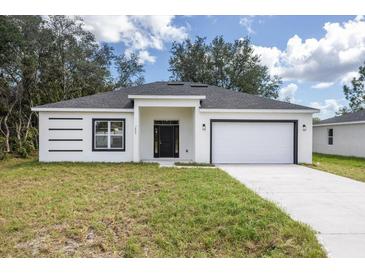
(139,210)
(351,167)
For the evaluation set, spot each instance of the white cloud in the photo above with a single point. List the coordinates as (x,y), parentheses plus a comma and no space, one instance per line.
(322,85)
(347,78)
(359,17)
(326,60)
(144,56)
(137,33)
(327,109)
(287,93)
(110,29)
(246,22)
(270,57)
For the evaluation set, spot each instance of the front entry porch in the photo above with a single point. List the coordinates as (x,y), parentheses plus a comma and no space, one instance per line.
(166,134)
(165,127)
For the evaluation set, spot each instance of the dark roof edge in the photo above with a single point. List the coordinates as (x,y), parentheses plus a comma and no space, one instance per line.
(353,117)
(119,98)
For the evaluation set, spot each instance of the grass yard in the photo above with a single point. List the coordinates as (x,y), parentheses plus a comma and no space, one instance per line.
(351,167)
(139,210)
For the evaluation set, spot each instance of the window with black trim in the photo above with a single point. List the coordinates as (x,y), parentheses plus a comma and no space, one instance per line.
(330,136)
(109,134)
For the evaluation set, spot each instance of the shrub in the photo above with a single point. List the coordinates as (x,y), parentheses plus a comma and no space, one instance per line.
(2,148)
(25,148)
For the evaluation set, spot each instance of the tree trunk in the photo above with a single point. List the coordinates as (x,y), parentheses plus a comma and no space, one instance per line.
(7,130)
(6,133)
(18,128)
(28,126)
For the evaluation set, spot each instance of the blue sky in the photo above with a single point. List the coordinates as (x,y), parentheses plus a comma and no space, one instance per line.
(315,55)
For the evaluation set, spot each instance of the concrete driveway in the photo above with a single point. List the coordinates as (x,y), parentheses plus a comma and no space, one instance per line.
(332,205)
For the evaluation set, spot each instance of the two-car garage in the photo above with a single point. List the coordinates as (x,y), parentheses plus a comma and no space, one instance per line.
(254,141)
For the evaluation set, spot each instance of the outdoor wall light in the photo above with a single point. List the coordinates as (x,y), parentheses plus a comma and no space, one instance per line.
(204,127)
(304,127)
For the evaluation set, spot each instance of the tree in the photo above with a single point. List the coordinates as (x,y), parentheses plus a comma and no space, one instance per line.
(343,110)
(18,75)
(130,71)
(191,61)
(356,93)
(229,65)
(74,64)
(44,60)
(316,120)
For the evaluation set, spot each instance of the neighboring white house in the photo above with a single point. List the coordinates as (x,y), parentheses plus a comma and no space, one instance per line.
(178,121)
(341,135)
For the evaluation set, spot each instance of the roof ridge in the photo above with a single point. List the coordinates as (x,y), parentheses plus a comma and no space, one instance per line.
(216,97)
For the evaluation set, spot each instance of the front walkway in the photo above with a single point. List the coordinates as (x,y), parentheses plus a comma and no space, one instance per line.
(332,205)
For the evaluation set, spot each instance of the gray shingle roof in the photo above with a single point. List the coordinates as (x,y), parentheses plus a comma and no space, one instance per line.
(349,117)
(216,97)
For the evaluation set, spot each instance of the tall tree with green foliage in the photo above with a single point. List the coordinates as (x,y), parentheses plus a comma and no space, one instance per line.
(356,93)
(19,57)
(45,60)
(229,65)
(130,71)
(75,65)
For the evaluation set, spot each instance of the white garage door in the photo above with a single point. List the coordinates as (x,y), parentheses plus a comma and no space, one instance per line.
(252,142)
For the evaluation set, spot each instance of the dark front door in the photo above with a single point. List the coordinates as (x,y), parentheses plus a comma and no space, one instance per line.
(166,141)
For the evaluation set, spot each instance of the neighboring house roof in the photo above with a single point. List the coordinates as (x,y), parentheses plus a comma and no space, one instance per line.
(358,116)
(216,97)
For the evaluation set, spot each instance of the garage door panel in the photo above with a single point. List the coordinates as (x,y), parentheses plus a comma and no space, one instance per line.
(252,142)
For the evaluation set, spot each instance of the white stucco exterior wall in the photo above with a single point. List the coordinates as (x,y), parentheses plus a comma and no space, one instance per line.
(348,140)
(87,155)
(194,141)
(304,137)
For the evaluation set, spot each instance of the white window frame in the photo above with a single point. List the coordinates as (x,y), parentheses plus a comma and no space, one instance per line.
(108,135)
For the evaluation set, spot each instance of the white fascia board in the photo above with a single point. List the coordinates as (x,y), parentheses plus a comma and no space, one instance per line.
(182,97)
(259,110)
(82,109)
(339,124)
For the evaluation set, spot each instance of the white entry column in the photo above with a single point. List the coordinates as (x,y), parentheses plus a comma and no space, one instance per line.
(136,155)
(196,133)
